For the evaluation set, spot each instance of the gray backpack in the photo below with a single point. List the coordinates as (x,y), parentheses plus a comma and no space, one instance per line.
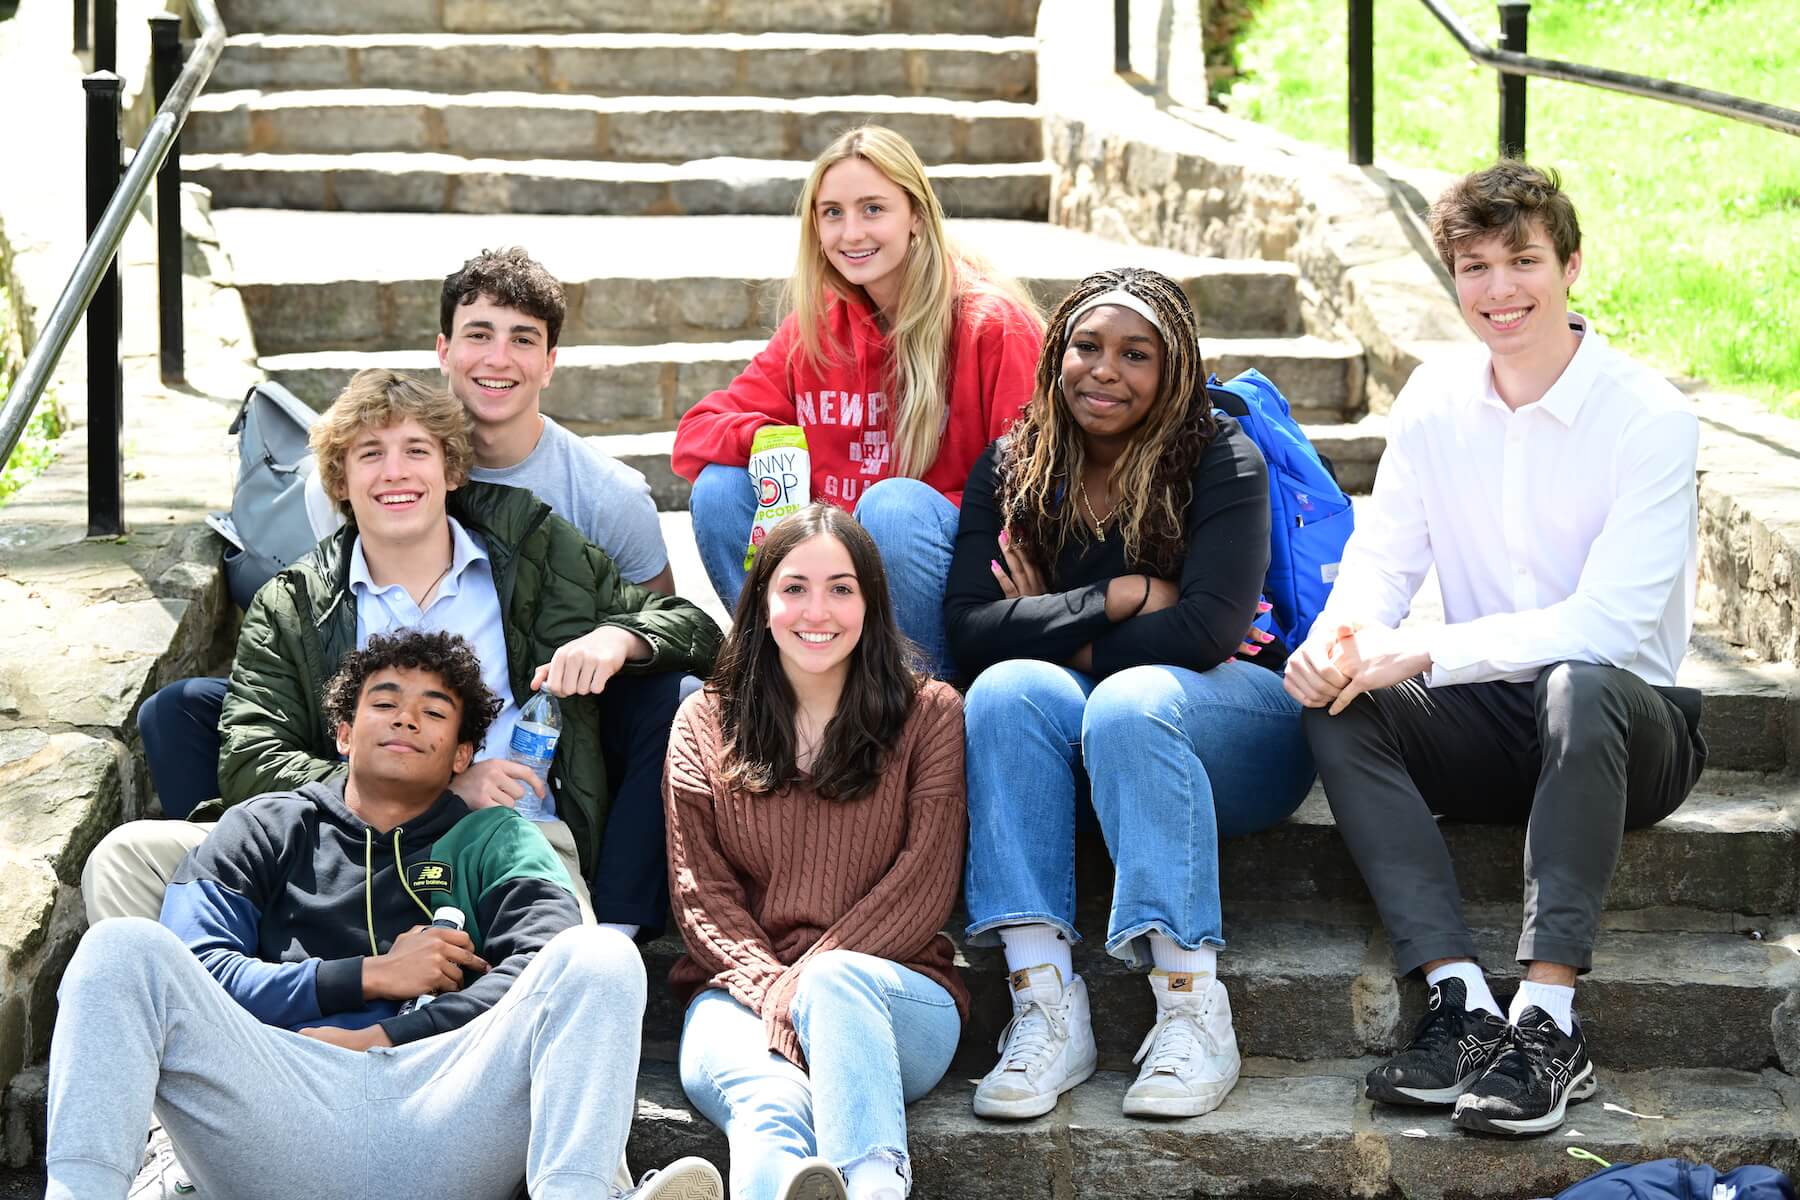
(268,525)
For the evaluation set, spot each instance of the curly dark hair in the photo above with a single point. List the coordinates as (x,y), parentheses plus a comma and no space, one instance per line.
(756,702)
(510,278)
(445,655)
(1043,453)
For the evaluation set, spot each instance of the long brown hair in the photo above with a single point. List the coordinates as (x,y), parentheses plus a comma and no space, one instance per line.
(1042,456)
(756,702)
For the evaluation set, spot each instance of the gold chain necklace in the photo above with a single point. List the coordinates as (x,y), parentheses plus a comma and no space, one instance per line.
(1099,525)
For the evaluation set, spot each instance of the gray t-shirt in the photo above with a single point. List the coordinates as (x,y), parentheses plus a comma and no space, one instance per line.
(608,501)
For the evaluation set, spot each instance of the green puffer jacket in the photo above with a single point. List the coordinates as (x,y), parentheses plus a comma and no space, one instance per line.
(553,586)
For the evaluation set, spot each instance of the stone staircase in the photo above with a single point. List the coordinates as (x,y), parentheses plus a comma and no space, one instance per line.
(649,155)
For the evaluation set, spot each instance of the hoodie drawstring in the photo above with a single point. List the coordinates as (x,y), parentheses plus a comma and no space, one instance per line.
(368,892)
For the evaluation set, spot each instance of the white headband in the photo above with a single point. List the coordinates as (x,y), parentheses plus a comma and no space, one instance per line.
(1124,300)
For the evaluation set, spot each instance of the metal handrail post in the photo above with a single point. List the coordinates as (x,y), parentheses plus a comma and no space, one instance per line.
(1362,81)
(1515,18)
(1121,36)
(106,372)
(165,61)
(81,24)
(106,35)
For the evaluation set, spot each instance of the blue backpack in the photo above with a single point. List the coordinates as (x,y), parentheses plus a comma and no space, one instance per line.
(1309,515)
(1677,1179)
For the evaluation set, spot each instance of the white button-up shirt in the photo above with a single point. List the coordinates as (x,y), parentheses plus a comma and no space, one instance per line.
(1564,531)
(465,603)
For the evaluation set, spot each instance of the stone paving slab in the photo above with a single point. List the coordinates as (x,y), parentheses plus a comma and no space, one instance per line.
(1307,985)
(997,17)
(620,128)
(1284,1132)
(446,183)
(796,64)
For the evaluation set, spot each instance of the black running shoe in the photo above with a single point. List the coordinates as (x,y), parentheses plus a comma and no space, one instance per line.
(1537,1074)
(1449,1050)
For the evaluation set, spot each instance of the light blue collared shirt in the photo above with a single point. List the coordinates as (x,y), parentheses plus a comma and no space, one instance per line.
(465,603)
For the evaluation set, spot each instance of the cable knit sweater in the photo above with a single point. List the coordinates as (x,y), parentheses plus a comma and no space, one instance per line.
(761,884)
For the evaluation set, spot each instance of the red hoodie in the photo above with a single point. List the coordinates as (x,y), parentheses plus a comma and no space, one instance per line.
(843,406)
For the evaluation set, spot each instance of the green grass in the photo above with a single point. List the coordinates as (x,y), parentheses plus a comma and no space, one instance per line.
(37,445)
(1691,223)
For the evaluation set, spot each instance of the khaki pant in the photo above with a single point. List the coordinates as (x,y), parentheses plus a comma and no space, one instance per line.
(130,869)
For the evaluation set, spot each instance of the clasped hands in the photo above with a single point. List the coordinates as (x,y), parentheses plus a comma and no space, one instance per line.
(426,958)
(1337,664)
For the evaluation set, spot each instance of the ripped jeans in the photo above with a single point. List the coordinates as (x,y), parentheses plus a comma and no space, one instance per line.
(877,1037)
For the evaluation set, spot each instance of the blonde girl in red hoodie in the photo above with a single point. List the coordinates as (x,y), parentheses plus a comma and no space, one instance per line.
(902,357)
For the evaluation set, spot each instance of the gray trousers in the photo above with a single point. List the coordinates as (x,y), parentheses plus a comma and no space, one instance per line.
(540,1087)
(1578,756)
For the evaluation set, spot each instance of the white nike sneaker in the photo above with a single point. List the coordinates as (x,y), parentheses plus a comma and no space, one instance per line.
(1190,1055)
(160,1177)
(1046,1049)
(813,1179)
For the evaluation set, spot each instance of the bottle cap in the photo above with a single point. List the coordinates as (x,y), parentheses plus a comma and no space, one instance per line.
(448,915)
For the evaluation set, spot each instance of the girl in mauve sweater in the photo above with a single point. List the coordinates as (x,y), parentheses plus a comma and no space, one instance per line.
(1111,557)
(816,819)
(901,357)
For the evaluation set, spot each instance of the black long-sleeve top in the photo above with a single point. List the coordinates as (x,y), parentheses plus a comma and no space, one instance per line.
(1227,524)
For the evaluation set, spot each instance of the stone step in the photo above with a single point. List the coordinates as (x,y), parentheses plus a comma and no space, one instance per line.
(996,17)
(542,186)
(651,279)
(1299,1130)
(1310,982)
(796,64)
(449,183)
(525,125)
(614,388)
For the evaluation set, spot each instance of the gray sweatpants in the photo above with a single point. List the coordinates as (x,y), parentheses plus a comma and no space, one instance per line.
(540,1087)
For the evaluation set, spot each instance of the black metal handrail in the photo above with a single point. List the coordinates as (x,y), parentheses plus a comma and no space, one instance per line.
(98,262)
(1513,65)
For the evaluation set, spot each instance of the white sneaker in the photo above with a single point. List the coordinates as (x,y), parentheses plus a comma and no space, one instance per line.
(1190,1055)
(1046,1049)
(684,1179)
(161,1177)
(813,1179)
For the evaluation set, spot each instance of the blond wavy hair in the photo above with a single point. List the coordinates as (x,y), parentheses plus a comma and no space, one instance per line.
(1043,454)
(936,276)
(377,398)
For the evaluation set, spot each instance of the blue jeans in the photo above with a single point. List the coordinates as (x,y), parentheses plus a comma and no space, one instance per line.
(913,524)
(1173,760)
(877,1037)
(180,728)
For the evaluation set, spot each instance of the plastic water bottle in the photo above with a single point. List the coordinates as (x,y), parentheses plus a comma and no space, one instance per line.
(534,744)
(447,917)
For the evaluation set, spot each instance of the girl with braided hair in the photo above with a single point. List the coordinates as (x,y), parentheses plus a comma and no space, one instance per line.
(1110,556)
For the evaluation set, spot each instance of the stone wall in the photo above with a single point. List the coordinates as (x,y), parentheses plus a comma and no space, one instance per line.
(1134,164)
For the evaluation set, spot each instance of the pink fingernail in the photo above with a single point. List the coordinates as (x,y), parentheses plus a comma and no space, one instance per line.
(994,563)
(1003,537)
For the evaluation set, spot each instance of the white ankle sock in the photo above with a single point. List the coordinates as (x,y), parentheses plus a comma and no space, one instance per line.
(630,931)
(1034,945)
(1168,956)
(1475,985)
(874,1174)
(1553,998)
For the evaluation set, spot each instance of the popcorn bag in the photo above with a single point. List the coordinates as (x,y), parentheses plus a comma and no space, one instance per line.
(781,469)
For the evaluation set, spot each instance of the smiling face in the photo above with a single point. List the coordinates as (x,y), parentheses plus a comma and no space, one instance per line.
(394,477)
(816,608)
(1515,299)
(866,223)
(403,739)
(496,361)
(1111,372)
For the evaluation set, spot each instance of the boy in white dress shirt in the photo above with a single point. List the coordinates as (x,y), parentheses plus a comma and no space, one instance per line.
(1550,480)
